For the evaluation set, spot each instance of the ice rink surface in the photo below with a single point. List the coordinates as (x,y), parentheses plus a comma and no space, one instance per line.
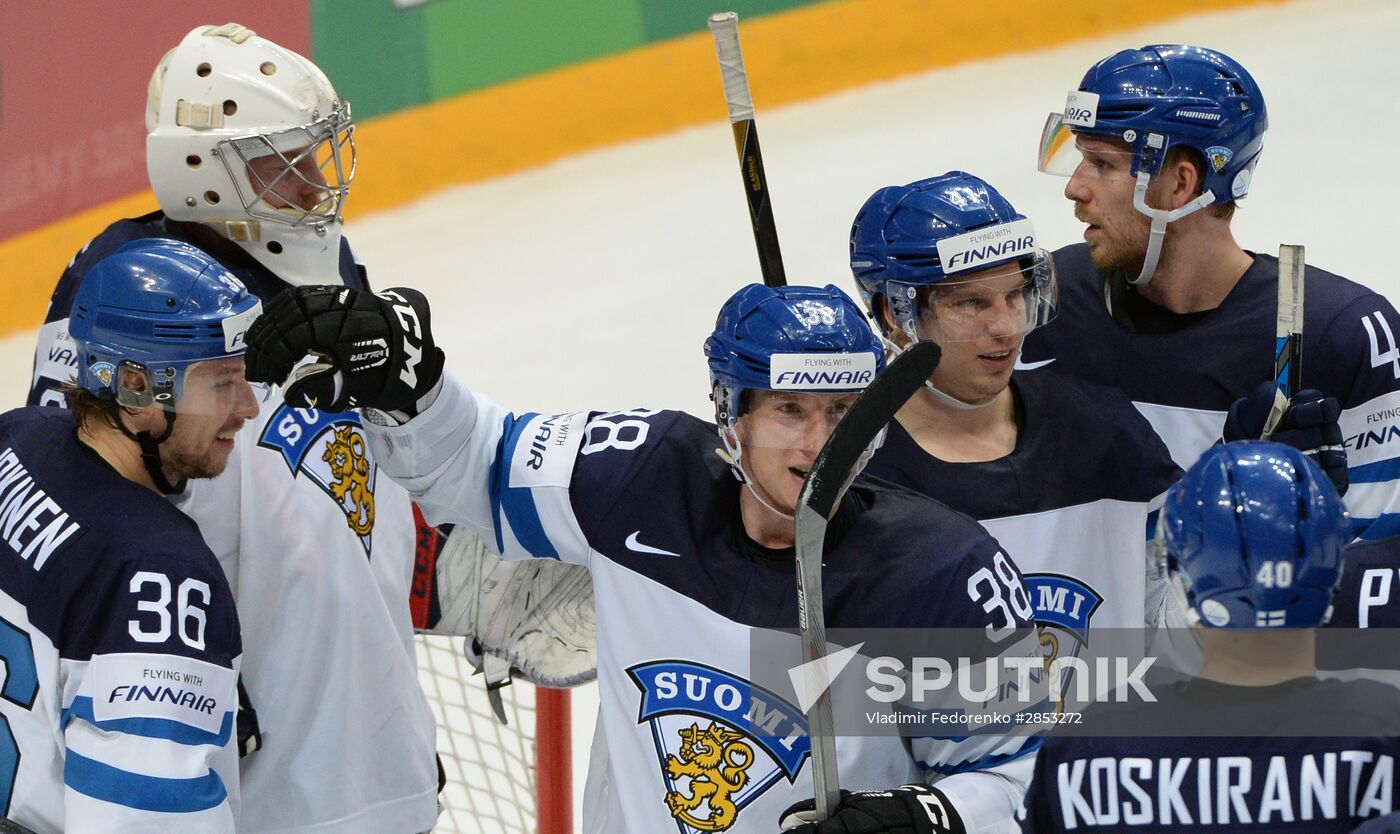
(592,282)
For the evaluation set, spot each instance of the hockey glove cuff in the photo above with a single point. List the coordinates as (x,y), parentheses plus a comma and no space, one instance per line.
(1309,424)
(908,809)
(366,350)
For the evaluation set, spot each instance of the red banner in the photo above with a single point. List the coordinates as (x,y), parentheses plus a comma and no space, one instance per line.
(73,80)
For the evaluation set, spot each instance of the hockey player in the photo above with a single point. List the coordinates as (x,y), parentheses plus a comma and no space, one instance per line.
(1254,535)
(250,154)
(948,259)
(1160,301)
(117,626)
(690,546)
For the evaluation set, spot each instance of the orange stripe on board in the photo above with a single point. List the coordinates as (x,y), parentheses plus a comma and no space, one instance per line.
(790,56)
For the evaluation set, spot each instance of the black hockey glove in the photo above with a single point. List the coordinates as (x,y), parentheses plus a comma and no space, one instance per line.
(1309,424)
(373,351)
(908,809)
(249,731)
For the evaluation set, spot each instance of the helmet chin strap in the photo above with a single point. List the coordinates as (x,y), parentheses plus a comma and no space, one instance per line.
(1160,219)
(946,399)
(150,450)
(734,452)
(759,498)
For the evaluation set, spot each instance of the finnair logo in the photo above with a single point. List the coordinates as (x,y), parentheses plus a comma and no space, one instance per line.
(1081,108)
(985,247)
(236,328)
(821,371)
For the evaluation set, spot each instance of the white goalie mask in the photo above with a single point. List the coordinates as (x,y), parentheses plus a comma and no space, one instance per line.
(251,139)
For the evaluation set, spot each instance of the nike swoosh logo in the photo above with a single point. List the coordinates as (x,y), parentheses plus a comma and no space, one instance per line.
(633,544)
(1030,366)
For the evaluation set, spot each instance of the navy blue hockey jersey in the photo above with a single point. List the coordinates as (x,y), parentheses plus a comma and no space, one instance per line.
(118,633)
(1185,380)
(1369,596)
(1071,503)
(1279,783)
(644,500)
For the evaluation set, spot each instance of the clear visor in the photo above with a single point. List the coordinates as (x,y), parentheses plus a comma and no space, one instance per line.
(300,176)
(214,388)
(1065,153)
(1007,300)
(790,420)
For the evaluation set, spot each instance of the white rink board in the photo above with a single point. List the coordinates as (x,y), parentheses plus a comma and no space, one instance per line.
(592,282)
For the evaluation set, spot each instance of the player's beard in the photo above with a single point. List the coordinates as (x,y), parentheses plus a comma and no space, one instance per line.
(1122,244)
(205,460)
(180,465)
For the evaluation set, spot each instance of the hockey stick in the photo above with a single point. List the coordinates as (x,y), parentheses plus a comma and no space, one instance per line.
(830,474)
(1288,333)
(725,28)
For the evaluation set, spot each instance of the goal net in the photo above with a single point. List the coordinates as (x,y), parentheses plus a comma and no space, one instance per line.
(501,779)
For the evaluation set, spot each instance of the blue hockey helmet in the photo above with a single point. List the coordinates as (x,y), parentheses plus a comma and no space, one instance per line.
(1160,97)
(1152,100)
(157,306)
(798,339)
(1255,531)
(945,231)
(801,339)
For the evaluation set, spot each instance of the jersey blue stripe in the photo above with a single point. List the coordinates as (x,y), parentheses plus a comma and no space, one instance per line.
(989,760)
(518,503)
(162,728)
(1370,529)
(1379,472)
(495,483)
(145,793)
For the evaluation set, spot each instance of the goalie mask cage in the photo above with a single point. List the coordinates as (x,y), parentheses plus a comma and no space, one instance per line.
(501,779)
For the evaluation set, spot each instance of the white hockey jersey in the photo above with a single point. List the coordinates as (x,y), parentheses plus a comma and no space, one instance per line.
(642,499)
(120,645)
(318,548)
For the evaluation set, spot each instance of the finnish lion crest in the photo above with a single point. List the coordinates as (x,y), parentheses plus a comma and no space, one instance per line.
(345,452)
(330,450)
(717,762)
(721,741)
